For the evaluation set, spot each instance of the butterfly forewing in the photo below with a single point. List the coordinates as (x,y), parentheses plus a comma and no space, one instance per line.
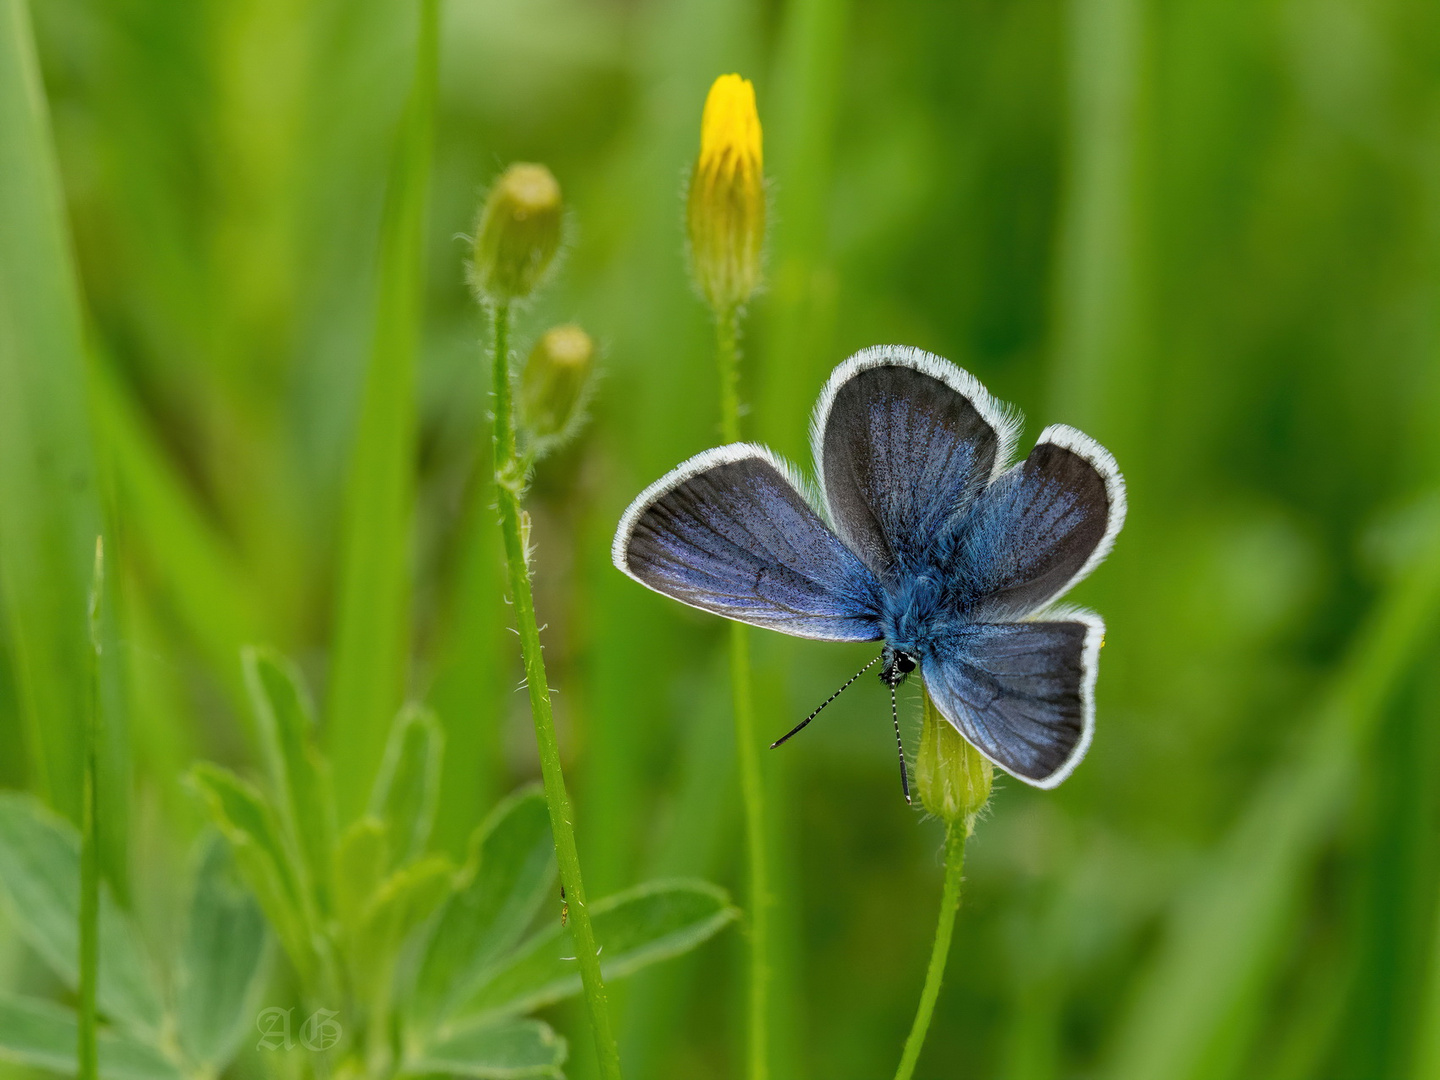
(1022,693)
(904,441)
(728,532)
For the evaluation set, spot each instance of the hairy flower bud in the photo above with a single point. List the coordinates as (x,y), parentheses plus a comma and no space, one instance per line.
(725,210)
(953,779)
(517,235)
(554,382)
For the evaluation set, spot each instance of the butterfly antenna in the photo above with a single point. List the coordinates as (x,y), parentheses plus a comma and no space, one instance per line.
(801,726)
(900,745)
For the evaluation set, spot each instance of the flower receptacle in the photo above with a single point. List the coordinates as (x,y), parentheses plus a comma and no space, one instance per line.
(953,779)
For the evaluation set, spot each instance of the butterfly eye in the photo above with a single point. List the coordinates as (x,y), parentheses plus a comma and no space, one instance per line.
(905,663)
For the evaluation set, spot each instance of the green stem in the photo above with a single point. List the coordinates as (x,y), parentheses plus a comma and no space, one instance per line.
(509,483)
(944,929)
(752,790)
(727,341)
(88,1064)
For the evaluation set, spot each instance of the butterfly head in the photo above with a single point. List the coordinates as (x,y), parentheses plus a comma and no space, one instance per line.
(898,663)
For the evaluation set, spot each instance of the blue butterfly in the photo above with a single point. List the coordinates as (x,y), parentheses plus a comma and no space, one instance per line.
(935,546)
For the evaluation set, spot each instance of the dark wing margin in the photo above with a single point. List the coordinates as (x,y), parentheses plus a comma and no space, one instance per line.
(1042,526)
(903,442)
(730,532)
(1023,694)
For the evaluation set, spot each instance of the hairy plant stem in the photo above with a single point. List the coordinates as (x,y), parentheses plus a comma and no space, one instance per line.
(510,485)
(752,790)
(955,833)
(88,1066)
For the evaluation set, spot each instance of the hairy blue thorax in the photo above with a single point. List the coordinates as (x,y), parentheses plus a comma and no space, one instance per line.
(926,602)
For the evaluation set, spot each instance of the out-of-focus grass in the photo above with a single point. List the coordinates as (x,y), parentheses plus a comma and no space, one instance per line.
(1206,232)
(48,479)
(369,665)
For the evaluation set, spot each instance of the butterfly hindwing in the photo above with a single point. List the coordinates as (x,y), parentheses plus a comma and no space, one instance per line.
(904,441)
(1022,693)
(1041,526)
(729,532)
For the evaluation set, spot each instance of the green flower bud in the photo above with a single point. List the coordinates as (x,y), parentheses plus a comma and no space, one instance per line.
(953,779)
(554,382)
(517,235)
(725,211)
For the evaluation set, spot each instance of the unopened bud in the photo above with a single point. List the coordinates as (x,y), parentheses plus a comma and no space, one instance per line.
(725,211)
(517,235)
(554,383)
(953,779)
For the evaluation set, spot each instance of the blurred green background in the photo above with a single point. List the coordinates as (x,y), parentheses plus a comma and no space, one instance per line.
(1206,232)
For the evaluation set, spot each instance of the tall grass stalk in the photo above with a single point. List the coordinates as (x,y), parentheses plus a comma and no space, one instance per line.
(955,834)
(1427,1046)
(509,485)
(88,1067)
(752,782)
(372,614)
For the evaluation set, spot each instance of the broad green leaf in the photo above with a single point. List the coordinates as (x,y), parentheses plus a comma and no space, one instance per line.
(361,858)
(286,725)
(40,884)
(408,786)
(43,1035)
(510,871)
(635,928)
(506,1050)
(222,959)
(249,823)
(402,903)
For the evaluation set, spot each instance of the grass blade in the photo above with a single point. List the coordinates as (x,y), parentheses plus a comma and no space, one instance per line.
(89,849)
(1096,304)
(47,475)
(194,566)
(1196,1009)
(372,616)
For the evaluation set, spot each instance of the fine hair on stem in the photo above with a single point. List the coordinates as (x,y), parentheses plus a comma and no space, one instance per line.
(509,484)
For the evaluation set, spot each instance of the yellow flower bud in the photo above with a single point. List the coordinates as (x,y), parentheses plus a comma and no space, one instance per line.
(726,207)
(517,235)
(954,780)
(554,384)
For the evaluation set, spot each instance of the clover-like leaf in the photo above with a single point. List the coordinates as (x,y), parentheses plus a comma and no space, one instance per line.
(503,1050)
(286,724)
(222,960)
(635,928)
(40,886)
(248,821)
(45,1035)
(509,872)
(407,789)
